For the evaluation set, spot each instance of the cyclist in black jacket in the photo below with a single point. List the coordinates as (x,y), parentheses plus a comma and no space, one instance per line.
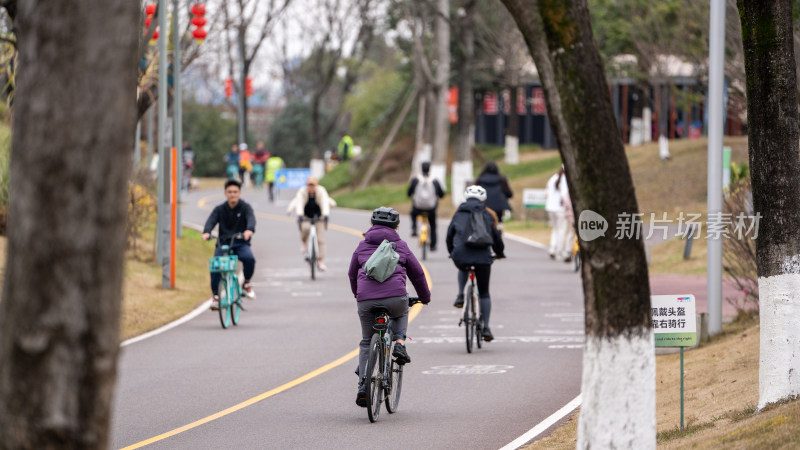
(465,256)
(234,216)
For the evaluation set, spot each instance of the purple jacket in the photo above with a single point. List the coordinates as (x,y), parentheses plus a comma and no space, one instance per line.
(365,289)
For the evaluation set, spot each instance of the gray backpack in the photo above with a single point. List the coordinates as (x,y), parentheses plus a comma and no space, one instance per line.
(425,194)
(380,266)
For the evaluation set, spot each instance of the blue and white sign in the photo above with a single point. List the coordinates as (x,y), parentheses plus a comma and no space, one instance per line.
(291,178)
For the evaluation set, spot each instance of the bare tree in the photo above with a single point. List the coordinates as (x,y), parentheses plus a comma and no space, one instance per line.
(59,318)
(247,24)
(618,387)
(774,168)
(341,34)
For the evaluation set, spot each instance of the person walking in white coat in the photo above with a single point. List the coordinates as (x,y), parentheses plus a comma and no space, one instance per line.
(554,205)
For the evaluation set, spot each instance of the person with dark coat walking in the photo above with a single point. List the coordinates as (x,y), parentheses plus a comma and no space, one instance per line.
(465,256)
(497,189)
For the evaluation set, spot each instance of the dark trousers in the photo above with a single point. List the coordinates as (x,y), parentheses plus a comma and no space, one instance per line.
(431,214)
(245,256)
(482,274)
(398,321)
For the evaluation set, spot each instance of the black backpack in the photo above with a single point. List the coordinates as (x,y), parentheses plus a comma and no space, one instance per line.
(478,234)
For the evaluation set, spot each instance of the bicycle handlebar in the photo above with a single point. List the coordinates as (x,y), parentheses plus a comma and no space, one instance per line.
(413,301)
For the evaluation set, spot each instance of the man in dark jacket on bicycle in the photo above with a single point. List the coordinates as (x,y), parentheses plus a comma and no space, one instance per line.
(464,255)
(234,216)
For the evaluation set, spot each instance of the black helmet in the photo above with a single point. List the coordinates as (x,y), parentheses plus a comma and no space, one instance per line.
(386,216)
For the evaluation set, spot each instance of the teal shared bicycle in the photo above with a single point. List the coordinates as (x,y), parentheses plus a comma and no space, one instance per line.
(230,292)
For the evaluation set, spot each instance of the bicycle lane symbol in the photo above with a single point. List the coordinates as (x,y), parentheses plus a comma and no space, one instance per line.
(468,369)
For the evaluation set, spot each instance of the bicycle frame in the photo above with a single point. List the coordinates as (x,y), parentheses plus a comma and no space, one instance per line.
(472,315)
(312,252)
(230,301)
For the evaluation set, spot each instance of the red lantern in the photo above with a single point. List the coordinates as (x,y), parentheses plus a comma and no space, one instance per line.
(228,87)
(198,11)
(199,34)
(149,10)
(248,86)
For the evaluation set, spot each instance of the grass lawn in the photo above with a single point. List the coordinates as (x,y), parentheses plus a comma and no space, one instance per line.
(721,393)
(145,305)
(140,312)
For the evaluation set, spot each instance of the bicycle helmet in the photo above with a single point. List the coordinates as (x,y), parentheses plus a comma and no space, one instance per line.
(475,191)
(386,216)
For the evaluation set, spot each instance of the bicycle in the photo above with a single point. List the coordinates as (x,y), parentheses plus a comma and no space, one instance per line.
(312,252)
(472,319)
(384,375)
(424,242)
(233,171)
(229,290)
(576,255)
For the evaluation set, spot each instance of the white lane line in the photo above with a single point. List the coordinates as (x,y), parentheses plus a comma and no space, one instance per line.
(523,240)
(543,425)
(199,310)
(566,409)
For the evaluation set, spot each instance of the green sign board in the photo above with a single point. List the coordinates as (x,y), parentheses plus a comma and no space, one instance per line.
(674,320)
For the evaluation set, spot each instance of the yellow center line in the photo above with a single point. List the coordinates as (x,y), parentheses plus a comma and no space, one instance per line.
(412,314)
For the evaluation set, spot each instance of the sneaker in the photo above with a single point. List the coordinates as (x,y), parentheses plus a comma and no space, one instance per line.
(215,303)
(459,303)
(248,290)
(321,266)
(361,395)
(487,334)
(413,233)
(400,354)
(433,248)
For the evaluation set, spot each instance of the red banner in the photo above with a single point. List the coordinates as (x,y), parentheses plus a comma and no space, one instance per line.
(452,104)
(490,103)
(537,104)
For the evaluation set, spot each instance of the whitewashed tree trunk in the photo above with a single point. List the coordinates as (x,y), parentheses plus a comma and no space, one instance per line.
(775,168)
(618,386)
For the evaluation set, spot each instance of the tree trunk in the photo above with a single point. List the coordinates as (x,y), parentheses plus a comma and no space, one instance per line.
(466,96)
(441,134)
(461,170)
(618,385)
(59,318)
(774,166)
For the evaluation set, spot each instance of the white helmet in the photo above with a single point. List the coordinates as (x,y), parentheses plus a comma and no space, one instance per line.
(475,191)
(243,146)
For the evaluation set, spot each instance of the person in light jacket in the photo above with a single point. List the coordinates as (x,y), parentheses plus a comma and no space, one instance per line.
(312,202)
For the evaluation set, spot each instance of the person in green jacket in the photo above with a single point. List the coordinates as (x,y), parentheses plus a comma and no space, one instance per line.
(274,163)
(345,147)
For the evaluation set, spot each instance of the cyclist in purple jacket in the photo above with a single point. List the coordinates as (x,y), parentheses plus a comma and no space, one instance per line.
(390,294)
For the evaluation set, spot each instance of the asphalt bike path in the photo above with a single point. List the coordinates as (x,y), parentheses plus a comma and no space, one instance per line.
(199,386)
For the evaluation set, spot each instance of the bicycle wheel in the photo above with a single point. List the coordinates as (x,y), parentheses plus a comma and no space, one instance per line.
(424,251)
(577,259)
(313,259)
(395,385)
(477,318)
(374,378)
(236,302)
(224,304)
(469,322)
